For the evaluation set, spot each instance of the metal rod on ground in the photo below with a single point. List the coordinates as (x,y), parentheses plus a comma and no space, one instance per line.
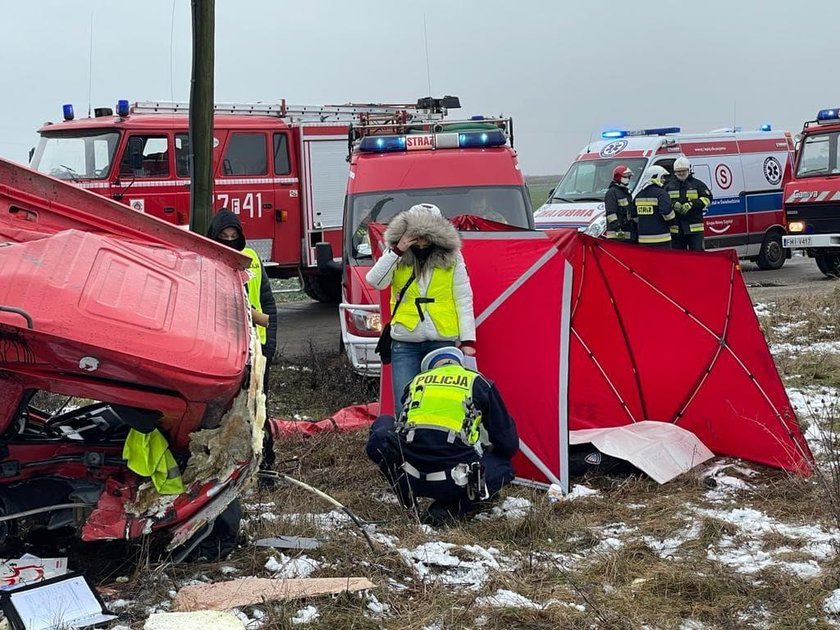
(41,510)
(361,524)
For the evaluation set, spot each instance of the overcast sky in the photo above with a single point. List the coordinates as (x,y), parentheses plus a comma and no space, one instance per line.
(563,69)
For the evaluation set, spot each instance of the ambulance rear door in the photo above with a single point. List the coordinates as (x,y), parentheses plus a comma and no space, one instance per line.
(764,158)
(324,173)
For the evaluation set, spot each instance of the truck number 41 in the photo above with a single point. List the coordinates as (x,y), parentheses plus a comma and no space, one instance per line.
(250,204)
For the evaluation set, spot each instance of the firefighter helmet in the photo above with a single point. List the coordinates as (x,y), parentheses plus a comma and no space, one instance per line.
(620,172)
(682,167)
(656,175)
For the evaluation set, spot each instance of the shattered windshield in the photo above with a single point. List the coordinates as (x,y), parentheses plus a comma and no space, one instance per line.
(505,204)
(588,180)
(77,155)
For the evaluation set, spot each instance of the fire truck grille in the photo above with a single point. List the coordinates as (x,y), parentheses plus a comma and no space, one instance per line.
(824,217)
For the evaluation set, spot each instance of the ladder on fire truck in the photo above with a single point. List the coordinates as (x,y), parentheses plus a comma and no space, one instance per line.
(349,112)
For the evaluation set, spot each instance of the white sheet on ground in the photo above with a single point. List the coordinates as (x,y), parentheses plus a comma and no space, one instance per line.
(660,449)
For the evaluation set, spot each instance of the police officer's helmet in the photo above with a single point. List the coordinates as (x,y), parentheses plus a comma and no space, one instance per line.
(441,355)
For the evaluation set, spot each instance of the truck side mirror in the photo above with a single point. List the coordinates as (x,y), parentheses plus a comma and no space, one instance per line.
(135,153)
(324,257)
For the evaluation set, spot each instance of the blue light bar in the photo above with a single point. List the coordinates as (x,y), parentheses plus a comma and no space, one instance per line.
(382,144)
(473,139)
(622,133)
(67,110)
(828,115)
(766,127)
(122,108)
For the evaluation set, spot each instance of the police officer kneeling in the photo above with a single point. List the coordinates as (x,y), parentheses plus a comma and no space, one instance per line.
(453,442)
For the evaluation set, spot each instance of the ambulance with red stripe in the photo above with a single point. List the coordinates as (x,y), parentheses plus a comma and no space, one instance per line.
(282,168)
(743,169)
(812,196)
(467,168)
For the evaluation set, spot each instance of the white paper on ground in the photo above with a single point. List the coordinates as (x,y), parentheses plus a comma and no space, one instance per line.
(68,603)
(660,449)
(29,569)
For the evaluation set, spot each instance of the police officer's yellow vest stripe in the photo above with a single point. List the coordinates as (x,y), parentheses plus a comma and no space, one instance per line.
(254,286)
(442,310)
(438,399)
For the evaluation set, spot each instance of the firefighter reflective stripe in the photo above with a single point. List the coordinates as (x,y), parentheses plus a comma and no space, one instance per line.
(433,476)
(696,227)
(645,206)
(691,194)
(254,286)
(674,194)
(670,216)
(612,217)
(438,303)
(623,202)
(655,238)
(442,398)
(148,455)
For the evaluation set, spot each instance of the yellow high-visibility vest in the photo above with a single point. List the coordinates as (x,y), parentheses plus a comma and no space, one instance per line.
(442,309)
(148,455)
(254,286)
(441,399)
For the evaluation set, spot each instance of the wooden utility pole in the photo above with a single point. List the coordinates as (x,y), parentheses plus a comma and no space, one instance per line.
(201,114)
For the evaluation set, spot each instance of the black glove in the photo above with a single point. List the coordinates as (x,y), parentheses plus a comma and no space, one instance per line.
(696,204)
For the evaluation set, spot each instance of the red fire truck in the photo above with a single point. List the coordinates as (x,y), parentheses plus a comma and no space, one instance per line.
(468,168)
(282,168)
(812,195)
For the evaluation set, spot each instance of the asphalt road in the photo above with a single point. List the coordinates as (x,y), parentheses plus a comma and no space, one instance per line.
(307,326)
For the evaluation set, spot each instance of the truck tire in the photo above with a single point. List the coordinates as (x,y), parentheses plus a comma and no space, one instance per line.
(829,264)
(323,288)
(772,254)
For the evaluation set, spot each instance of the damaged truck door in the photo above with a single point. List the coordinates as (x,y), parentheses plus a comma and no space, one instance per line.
(114,324)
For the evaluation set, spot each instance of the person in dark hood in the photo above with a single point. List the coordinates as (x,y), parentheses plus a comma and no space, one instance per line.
(425,265)
(226,228)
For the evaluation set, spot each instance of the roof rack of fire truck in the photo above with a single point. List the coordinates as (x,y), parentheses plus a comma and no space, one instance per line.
(424,109)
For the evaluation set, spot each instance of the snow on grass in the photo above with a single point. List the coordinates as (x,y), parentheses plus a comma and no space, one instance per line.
(511,507)
(377,609)
(504,598)
(435,561)
(819,347)
(763,310)
(305,615)
(669,547)
(746,552)
(286,567)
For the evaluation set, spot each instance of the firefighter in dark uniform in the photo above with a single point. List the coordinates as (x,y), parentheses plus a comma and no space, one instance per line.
(690,200)
(453,442)
(653,212)
(618,203)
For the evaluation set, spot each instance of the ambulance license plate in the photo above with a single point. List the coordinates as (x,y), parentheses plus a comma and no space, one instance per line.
(796,241)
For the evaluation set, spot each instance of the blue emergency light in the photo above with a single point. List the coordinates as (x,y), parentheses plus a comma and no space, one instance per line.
(472,139)
(611,134)
(382,144)
(828,115)
(67,110)
(766,127)
(465,140)
(122,108)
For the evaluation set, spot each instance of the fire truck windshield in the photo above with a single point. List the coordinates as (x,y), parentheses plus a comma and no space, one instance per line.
(76,156)
(588,180)
(820,155)
(505,204)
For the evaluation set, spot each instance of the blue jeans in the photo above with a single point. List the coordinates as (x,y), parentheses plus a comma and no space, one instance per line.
(405,364)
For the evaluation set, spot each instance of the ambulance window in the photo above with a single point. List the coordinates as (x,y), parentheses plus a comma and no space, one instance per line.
(245,155)
(155,159)
(668,165)
(182,155)
(281,154)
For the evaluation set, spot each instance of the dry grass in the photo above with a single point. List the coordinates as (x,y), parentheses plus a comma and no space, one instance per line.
(636,555)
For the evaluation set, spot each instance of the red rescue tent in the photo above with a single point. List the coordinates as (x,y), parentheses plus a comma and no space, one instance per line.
(582,333)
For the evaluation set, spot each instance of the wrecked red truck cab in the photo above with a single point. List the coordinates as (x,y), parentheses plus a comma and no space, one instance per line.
(110,321)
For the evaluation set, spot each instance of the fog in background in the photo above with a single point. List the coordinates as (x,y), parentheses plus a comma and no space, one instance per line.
(564,70)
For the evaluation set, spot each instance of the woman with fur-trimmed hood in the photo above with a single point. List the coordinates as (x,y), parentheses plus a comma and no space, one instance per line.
(437,307)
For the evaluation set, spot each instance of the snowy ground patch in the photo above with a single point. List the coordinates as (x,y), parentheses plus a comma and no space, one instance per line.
(503,598)
(437,561)
(286,567)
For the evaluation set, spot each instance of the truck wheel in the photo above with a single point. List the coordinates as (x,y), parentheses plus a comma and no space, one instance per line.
(772,254)
(829,264)
(323,288)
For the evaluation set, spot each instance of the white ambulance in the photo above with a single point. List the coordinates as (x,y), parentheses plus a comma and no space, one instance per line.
(743,169)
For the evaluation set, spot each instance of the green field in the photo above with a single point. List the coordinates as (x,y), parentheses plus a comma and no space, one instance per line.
(539,187)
